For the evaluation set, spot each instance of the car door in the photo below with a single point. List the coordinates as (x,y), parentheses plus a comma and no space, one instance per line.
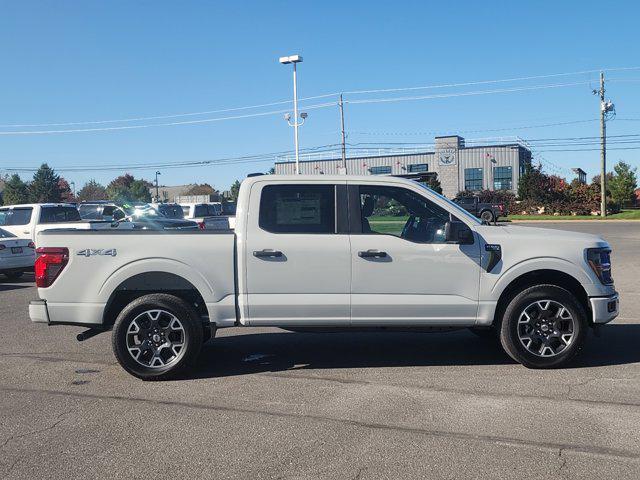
(297,254)
(403,270)
(17,220)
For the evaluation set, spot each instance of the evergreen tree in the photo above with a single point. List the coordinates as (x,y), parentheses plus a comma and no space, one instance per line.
(234,190)
(15,191)
(623,183)
(45,185)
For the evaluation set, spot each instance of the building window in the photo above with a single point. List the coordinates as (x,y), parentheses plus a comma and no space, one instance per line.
(473,179)
(502,178)
(418,167)
(381,170)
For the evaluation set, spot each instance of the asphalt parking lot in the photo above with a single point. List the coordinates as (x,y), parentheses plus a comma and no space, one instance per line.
(264,403)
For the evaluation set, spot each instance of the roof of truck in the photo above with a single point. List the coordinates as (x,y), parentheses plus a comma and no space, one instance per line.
(331,178)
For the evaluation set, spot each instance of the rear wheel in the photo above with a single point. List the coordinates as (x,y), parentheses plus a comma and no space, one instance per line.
(543,327)
(487,216)
(157,336)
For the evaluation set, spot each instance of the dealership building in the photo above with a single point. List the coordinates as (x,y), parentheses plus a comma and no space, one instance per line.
(457,166)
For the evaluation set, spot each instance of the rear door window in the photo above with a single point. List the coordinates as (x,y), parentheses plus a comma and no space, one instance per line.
(298,209)
(16,216)
(59,214)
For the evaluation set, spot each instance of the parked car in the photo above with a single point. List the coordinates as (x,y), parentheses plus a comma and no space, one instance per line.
(139,216)
(26,221)
(17,255)
(200,212)
(310,253)
(489,212)
(169,210)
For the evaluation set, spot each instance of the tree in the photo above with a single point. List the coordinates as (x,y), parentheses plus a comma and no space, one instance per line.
(92,190)
(623,184)
(126,188)
(201,189)
(234,190)
(15,191)
(44,186)
(65,191)
(434,184)
(139,191)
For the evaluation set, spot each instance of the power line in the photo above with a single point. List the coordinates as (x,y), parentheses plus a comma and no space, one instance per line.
(465,94)
(186,122)
(326,95)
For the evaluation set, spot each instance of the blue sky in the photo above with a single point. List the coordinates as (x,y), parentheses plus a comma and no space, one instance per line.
(74,61)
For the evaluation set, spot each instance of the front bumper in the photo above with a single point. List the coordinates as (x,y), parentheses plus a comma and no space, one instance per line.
(38,311)
(605,309)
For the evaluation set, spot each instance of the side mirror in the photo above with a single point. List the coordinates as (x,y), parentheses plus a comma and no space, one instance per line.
(456,231)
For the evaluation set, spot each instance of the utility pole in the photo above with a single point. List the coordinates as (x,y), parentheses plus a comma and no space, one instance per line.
(344,147)
(603,150)
(157,190)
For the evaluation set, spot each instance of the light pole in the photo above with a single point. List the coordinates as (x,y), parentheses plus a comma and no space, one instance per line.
(73,189)
(157,192)
(293,59)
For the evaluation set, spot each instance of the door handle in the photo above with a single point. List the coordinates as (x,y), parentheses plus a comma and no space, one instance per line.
(267,253)
(372,254)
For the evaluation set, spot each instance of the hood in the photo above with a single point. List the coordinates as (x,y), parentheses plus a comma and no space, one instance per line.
(537,234)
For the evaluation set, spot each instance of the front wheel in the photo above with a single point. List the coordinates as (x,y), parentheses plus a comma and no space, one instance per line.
(157,336)
(543,327)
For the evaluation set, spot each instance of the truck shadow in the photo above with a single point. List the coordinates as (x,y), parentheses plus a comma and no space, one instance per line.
(244,354)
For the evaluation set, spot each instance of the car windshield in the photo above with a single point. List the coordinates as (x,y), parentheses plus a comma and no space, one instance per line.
(5,234)
(171,211)
(460,212)
(141,211)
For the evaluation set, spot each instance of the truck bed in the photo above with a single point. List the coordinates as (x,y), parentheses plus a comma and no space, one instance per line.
(103,261)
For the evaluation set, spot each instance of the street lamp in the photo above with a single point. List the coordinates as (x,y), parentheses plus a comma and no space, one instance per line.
(293,59)
(157,192)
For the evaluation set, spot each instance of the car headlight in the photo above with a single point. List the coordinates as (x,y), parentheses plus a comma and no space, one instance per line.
(600,261)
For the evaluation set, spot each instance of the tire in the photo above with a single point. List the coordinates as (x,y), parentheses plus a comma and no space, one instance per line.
(14,275)
(544,326)
(157,336)
(487,216)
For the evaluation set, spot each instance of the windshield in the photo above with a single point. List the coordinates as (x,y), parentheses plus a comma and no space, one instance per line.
(141,211)
(460,212)
(5,234)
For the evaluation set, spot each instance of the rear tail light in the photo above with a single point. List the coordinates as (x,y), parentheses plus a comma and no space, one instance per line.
(50,262)
(2,247)
(201,225)
(31,245)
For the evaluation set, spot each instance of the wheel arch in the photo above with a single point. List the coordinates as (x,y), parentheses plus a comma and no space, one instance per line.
(541,277)
(145,283)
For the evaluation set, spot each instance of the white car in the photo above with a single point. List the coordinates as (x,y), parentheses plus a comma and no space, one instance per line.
(328,252)
(17,255)
(26,221)
(201,212)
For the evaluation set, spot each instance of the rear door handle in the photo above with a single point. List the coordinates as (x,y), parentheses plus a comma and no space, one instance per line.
(372,254)
(267,253)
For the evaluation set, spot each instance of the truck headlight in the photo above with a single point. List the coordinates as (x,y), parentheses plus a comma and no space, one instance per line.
(600,261)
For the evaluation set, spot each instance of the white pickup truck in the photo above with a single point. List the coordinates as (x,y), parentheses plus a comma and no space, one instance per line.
(327,252)
(26,221)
